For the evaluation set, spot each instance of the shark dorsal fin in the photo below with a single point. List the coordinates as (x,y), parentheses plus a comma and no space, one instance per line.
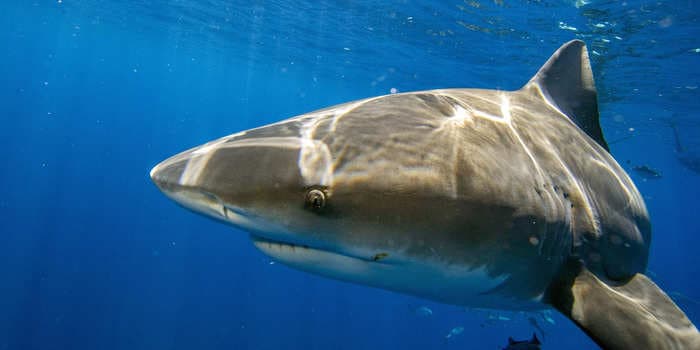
(566,81)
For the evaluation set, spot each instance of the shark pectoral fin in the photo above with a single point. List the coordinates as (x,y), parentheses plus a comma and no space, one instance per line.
(635,315)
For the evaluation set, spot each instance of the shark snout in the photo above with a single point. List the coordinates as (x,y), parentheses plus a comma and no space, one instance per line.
(247,180)
(167,173)
(171,178)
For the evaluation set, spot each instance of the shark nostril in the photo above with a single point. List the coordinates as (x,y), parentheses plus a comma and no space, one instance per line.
(211,197)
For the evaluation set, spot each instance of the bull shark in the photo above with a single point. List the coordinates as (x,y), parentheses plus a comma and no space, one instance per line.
(479,198)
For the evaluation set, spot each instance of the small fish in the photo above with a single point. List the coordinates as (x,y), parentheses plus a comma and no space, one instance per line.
(534,323)
(546,315)
(687,159)
(690,161)
(532,344)
(455,331)
(647,172)
(424,311)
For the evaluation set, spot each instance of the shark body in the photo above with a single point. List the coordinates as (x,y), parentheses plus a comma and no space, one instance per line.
(485,198)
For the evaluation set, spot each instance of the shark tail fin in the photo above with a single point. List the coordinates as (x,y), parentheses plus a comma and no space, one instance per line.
(633,315)
(566,82)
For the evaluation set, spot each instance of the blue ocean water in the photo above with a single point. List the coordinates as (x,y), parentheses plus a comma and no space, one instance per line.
(94,93)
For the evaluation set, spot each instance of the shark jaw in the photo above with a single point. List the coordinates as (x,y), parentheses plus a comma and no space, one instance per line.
(451,284)
(325,262)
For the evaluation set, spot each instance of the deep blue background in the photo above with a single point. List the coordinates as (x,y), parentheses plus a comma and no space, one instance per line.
(94,93)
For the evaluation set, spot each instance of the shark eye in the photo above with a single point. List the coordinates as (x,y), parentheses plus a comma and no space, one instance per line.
(315,200)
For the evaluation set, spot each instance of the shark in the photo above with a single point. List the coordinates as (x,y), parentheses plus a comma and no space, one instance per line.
(688,159)
(472,197)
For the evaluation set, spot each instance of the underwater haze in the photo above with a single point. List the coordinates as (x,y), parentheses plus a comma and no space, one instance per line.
(94,93)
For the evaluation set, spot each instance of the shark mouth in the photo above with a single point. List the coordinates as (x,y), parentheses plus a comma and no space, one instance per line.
(449,284)
(373,270)
(295,254)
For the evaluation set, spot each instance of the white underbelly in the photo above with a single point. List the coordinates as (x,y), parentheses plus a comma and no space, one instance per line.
(452,284)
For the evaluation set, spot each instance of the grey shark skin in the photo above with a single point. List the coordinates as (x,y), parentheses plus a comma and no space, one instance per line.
(499,199)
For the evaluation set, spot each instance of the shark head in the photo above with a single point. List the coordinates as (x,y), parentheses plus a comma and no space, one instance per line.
(250,182)
(276,187)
